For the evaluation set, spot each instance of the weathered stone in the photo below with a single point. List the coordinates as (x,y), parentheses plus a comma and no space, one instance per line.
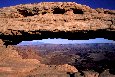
(67,68)
(106,74)
(39,22)
(13,64)
(1,42)
(44,17)
(90,74)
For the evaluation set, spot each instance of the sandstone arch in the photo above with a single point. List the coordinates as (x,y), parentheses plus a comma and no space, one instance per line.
(39,22)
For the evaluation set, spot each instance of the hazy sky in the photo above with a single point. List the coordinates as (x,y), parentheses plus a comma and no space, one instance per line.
(66,41)
(107,4)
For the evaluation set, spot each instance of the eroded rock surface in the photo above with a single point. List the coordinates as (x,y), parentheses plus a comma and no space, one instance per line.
(90,74)
(36,18)
(106,73)
(28,19)
(54,16)
(12,65)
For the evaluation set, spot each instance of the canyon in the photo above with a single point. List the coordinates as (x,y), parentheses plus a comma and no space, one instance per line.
(93,59)
(56,20)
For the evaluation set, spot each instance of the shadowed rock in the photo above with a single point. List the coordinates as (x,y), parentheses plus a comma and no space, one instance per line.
(48,20)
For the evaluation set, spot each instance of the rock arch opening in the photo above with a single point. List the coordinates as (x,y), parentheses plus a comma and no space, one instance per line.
(93,55)
(65,41)
(38,35)
(19,27)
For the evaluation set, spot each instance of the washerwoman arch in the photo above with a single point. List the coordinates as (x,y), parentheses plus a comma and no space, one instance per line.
(67,20)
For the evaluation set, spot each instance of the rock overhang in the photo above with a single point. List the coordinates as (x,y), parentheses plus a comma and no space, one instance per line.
(55,20)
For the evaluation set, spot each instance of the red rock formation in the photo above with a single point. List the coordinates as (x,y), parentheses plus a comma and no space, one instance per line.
(90,74)
(46,16)
(12,64)
(54,16)
(67,68)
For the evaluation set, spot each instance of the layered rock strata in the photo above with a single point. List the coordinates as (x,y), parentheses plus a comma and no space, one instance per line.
(12,65)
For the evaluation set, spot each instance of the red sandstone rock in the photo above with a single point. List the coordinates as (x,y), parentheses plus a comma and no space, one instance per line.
(13,64)
(48,16)
(53,16)
(67,68)
(90,74)
(1,42)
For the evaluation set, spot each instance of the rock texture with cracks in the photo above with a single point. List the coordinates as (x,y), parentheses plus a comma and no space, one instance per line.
(46,18)
(12,65)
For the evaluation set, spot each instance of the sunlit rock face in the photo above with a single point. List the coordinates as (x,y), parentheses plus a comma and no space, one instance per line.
(55,20)
(43,20)
(13,65)
(1,42)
